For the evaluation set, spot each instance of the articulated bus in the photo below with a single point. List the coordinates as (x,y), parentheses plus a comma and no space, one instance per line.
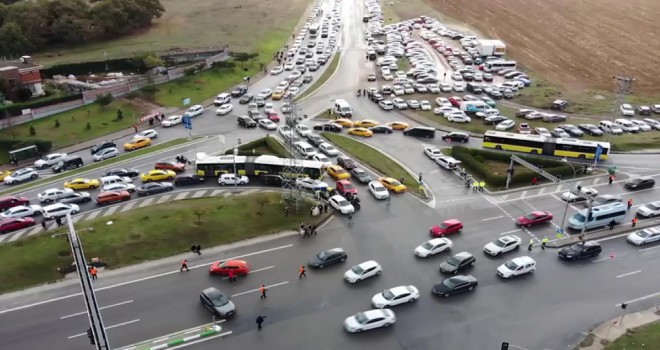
(213,166)
(494,66)
(549,146)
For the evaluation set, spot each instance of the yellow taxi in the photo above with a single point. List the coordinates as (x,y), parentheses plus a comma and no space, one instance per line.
(393,185)
(367,123)
(345,123)
(4,174)
(338,172)
(137,143)
(82,184)
(278,94)
(360,132)
(398,125)
(157,175)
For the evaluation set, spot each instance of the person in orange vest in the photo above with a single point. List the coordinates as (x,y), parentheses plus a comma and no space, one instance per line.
(634,222)
(263,291)
(184,265)
(93,272)
(630,203)
(302,271)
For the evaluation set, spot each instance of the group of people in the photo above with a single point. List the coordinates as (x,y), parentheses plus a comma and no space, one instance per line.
(478,185)
(182,159)
(308,230)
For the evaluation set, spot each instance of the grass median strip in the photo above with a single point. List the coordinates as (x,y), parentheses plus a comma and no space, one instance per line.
(149,233)
(323,78)
(71,174)
(374,159)
(645,337)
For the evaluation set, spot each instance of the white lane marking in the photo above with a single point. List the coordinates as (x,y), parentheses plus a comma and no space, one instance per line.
(142,279)
(164,339)
(201,340)
(198,194)
(601,259)
(128,206)
(33,231)
(217,192)
(146,202)
(163,198)
(93,214)
(106,328)
(256,290)
(181,196)
(645,249)
(640,299)
(102,308)
(629,274)
(493,218)
(542,190)
(111,210)
(609,238)
(257,270)
(16,236)
(523,194)
(512,231)
(3,237)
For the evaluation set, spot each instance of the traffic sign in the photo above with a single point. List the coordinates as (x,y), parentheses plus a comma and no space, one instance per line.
(505,346)
(187,122)
(186,101)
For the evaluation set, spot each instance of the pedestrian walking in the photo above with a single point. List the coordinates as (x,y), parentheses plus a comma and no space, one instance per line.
(58,221)
(482,185)
(43,224)
(611,179)
(135,127)
(198,248)
(420,177)
(305,232)
(325,207)
(231,276)
(535,181)
(263,291)
(475,185)
(611,224)
(302,272)
(401,180)
(320,207)
(634,221)
(184,265)
(630,202)
(350,218)
(313,230)
(531,243)
(286,211)
(260,321)
(93,272)
(544,241)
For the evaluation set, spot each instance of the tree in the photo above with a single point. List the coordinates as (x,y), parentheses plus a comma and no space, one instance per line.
(57,123)
(199,212)
(241,57)
(24,94)
(132,96)
(152,61)
(13,42)
(104,99)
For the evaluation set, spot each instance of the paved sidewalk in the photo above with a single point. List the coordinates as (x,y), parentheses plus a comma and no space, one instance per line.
(609,331)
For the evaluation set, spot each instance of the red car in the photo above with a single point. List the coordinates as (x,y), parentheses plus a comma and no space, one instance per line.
(446,227)
(12,201)
(273,117)
(534,218)
(455,101)
(174,166)
(222,268)
(345,186)
(13,224)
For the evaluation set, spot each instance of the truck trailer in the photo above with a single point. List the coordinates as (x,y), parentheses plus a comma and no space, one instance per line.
(490,47)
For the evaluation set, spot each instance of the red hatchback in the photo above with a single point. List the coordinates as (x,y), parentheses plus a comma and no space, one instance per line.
(174,166)
(222,268)
(273,116)
(13,224)
(344,186)
(12,201)
(534,218)
(446,227)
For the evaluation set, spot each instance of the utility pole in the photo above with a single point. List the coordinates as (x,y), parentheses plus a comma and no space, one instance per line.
(623,87)
(236,177)
(292,194)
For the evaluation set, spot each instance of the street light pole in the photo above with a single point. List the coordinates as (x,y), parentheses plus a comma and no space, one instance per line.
(563,220)
(572,167)
(235,173)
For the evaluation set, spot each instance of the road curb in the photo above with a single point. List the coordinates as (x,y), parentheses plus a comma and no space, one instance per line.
(618,231)
(571,181)
(179,338)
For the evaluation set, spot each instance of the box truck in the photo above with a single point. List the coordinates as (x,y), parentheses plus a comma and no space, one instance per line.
(490,48)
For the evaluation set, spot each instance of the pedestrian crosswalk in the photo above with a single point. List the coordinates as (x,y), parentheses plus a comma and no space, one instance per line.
(124,207)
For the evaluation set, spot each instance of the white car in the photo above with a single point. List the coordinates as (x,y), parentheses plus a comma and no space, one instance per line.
(459,87)
(456,76)
(149,133)
(645,236)
(505,125)
(289,66)
(21,175)
(303,130)
(641,125)
(585,192)
(627,110)
(387,76)
(194,111)
(119,186)
(516,267)
(364,321)
(293,91)
(105,153)
(447,162)
(224,109)
(395,296)
(442,102)
(363,271)
(53,194)
(267,124)
(341,204)
(49,160)
(386,105)
(459,118)
(285,131)
(21,211)
(222,98)
(649,210)
(269,108)
(277,70)
(433,88)
(543,132)
(172,121)
(652,122)
(265,93)
(432,152)
(414,104)
(378,190)
(432,247)
(328,149)
(59,210)
(446,87)
(399,103)
(322,158)
(398,90)
(425,105)
(409,89)
(502,245)
(311,184)
(561,133)
(231,179)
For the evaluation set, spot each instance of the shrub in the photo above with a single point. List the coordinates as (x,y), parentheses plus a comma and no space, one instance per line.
(16,109)
(88,126)
(24,94)
(104,99)
(33,132)
(120,114)
(57,123)
(190,71)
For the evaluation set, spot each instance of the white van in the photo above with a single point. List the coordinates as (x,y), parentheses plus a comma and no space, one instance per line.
(114,179)
(305,149)
(626,125)
(516,267)
(609,127)
(600,216)
(343,109)
(474,106)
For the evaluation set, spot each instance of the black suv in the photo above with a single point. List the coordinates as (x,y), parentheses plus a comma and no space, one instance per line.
(458,262)
(103,145)
(188,179)
(579,251)
(328,257)
(246,99)
(246,122)
(346,163)
(591,129)
(559,105)
(333,127)
(239,91)
(456,136)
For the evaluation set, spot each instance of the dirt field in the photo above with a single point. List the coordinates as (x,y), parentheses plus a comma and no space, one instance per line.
(579,45)
(239,24)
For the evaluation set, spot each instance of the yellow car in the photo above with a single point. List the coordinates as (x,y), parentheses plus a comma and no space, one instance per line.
(157,175)
(360,132)
(338,172)
(393,185)
(4,174)
(82,184)
(343,122)
(137,143)
(367,123)
(278,94)
(398,125)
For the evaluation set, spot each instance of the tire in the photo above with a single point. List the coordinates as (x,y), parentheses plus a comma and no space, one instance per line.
(472,264)
(73,212)
(34,176)
(321,266)
(222,184)
(378,273)
(169,178)
(342,259)
(471,288)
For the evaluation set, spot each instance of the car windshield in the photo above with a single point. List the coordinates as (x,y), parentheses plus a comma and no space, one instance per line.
(388,295)
(341,171)
(499,243)
(427,246)
(361,318)
(510,265)
(530,216)
(642,234)
(322,255)
(348,186)
(449,283)
(652,206)
(453,261)
(219,299)
(395,183)
(579,217)
(357,270)
(343,203)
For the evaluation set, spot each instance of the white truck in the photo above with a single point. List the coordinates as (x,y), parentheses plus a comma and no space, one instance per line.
(490,47)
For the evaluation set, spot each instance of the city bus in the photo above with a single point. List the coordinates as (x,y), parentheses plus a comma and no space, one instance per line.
(549,146)
(494,66)
(214,166)
(314,29)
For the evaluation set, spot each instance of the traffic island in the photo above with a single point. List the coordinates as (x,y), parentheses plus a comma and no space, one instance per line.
(637,330)
(177,339)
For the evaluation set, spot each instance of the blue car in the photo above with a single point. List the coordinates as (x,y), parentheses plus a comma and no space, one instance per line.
(525,81)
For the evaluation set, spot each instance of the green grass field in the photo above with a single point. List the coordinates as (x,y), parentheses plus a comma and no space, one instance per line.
(645,337)
(146,234)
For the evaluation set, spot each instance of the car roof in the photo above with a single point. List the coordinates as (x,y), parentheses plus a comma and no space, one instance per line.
(523,260)
(451,221)
(334,250)
(377,313)
(368,264)
(463,255)
(509,238)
